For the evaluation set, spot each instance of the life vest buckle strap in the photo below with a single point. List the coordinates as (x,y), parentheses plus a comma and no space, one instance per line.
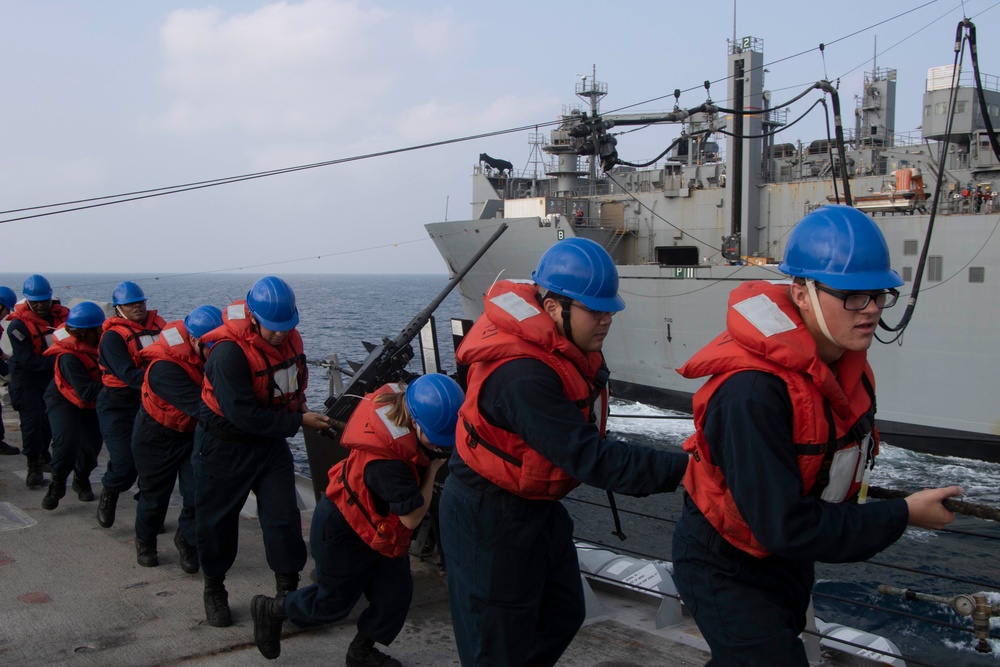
(354,499)
(475,440)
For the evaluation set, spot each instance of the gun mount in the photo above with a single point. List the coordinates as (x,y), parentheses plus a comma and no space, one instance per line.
(386,362)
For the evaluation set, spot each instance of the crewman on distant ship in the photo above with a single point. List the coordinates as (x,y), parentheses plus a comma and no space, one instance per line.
(784,443)
(254,398)
(164,433)
(71,399)
(30,331)
(398,437)
(7,302)
(122,370)
(532,428)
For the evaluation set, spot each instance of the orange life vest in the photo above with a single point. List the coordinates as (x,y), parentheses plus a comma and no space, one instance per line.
(66,343)
(173,345)
(137,336)
(833,415)
(514,326)
(39,328)
(279,374)
(371,436)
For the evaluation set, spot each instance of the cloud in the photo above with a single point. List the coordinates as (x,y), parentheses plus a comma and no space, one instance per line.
(65,178)
(287,67)
(436,119)
(332,71)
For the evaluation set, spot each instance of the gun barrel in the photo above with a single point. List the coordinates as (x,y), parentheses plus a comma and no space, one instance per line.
(417,323)
(385,363)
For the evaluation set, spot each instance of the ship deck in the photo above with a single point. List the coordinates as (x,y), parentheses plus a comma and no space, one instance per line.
(71,593)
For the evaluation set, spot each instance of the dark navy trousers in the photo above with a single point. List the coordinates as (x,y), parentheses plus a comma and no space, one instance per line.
(36,434)
(225,472)
(76,439)
(346,567)
(117,418)
(750,610)
(162,458)
(513,576)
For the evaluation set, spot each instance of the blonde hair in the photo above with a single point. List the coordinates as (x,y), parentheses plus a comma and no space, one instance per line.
(398,413)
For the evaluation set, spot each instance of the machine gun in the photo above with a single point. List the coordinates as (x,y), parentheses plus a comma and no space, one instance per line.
(386,362)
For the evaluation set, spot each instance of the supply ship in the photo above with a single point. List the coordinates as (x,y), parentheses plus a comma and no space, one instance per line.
(687,228)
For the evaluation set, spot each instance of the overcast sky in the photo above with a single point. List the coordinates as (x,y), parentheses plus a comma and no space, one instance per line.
(112,96)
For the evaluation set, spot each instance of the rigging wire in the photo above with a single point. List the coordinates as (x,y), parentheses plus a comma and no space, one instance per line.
(775,132)
(908,37)
(865,649)
(818,594)
(714,282)
(187,187)
(107,200)
(785,58)
(965,33)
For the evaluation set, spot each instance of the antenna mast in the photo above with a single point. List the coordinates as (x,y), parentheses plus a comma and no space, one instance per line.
(734,21)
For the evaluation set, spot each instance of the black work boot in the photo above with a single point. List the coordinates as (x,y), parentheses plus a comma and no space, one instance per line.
(285,583)
(217,602)
(362,653)
(188,553)
(8,450)
(35,478)
(268,615)
(84,492)
(57,489)
(145,552)
(106,508)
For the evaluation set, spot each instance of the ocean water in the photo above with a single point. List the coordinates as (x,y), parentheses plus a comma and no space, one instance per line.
(339,311)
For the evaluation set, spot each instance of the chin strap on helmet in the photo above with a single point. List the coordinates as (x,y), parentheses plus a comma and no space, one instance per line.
(567,311)
(820,320)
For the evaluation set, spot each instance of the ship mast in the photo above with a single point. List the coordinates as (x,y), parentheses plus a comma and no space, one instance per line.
(743,159)
(592,93)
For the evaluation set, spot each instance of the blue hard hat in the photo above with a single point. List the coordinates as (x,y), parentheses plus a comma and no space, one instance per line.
(37,288)
(85,315)
(203,319)
(580,269)
(433,401)
(127,292)
(841,247)
(272,302)
(7,297)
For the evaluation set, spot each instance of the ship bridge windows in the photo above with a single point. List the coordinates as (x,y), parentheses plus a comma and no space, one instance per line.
(677,255)
(977,274)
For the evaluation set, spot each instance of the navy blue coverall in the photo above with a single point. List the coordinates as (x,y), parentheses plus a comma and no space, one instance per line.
(242,452)
(30,375)
(346,567)
(513,573)
(163,456)
(751,610)
(76,435)
(4,370)
(116,410)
